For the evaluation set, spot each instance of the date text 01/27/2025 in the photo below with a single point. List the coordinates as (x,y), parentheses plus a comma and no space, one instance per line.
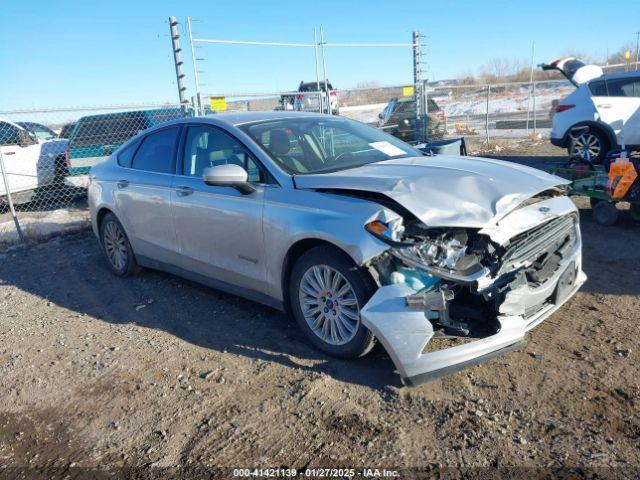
(315,473)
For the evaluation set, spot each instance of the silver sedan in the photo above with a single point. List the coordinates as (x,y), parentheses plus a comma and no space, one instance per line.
(361,237)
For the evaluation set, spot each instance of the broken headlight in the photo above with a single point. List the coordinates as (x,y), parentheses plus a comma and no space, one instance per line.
(390,232)
(445,254)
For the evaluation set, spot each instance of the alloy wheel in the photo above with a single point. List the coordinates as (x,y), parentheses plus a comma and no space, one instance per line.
(329,305)
(115,245)
(586,146)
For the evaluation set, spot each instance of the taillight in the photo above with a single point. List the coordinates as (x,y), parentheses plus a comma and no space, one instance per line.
(562,108)
(333,93)
(67,157)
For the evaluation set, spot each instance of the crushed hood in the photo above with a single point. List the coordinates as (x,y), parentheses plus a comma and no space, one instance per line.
(443,190)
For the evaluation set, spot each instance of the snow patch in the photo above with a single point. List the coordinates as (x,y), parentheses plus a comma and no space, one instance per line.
(41,228)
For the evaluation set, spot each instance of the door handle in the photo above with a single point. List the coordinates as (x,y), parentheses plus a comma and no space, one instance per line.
(9,153)
(183,191)
(604,105)
(123,184)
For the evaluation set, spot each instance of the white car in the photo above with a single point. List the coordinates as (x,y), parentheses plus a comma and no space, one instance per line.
(30,161)
(602,114)
(310,94)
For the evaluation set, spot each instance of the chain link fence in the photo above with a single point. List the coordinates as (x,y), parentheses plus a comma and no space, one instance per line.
(46,155)
(45,158)
(500,111)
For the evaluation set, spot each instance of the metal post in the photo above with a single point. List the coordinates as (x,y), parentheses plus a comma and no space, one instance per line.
(637,48)
(200,105)
(533,49)
(10,200)
(486,121)
(315,53)
(534,110)
(324,69)
(195,67)
(417,90)
(177,60)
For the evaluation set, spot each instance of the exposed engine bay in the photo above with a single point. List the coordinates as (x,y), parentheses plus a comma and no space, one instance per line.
(477,249)
(461,276)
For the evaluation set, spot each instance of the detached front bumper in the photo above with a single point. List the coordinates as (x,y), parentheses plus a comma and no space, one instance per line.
(405,332)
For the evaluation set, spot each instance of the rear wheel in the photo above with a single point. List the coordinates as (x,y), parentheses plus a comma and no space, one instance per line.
(590,145)
(327,291)
(116,247)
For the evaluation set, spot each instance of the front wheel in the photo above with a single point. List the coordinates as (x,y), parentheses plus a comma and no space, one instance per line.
(327,291)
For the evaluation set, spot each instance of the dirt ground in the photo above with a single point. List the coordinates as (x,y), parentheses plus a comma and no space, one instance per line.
(155,376)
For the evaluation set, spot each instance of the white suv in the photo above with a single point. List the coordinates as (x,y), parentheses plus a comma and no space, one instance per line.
(602,114)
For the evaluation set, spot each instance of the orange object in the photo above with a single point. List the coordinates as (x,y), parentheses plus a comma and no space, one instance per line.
(622,174)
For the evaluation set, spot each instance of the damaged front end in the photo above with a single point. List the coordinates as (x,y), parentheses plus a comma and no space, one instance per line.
(487,285)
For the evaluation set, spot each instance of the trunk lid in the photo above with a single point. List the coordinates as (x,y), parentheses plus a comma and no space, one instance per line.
(574,69)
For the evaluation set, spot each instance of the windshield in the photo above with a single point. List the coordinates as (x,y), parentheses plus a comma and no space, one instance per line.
(325,144)
(40,131)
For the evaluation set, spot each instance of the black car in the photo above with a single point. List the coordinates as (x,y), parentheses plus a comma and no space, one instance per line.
(399,118)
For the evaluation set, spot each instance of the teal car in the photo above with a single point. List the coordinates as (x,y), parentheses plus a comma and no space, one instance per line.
(95,137)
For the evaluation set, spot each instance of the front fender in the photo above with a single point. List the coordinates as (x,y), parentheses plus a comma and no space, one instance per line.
(294,215)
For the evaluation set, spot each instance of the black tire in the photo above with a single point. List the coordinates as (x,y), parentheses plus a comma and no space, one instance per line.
(129,265)
(585,143)
(605,213)
(362,286)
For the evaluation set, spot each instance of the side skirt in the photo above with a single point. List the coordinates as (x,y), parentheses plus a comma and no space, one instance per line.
(211,282)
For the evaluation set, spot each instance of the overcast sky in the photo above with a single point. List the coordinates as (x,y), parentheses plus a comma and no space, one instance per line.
(77,53)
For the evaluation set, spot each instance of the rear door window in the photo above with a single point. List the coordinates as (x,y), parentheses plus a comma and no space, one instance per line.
(598,88)
(125,157)
(157,151)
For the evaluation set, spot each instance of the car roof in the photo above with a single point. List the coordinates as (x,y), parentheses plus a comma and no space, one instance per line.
(240,118)
(29,124)
(11,123)
(613,76)
(321,82)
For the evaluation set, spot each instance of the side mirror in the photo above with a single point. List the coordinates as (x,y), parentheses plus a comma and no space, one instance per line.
(230,175)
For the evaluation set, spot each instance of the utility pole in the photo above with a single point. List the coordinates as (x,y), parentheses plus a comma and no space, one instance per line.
(325,95)
(533,48)
(199,108)
(637,48)
(177,60)
(418,94)
(315,52)
(533,90)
